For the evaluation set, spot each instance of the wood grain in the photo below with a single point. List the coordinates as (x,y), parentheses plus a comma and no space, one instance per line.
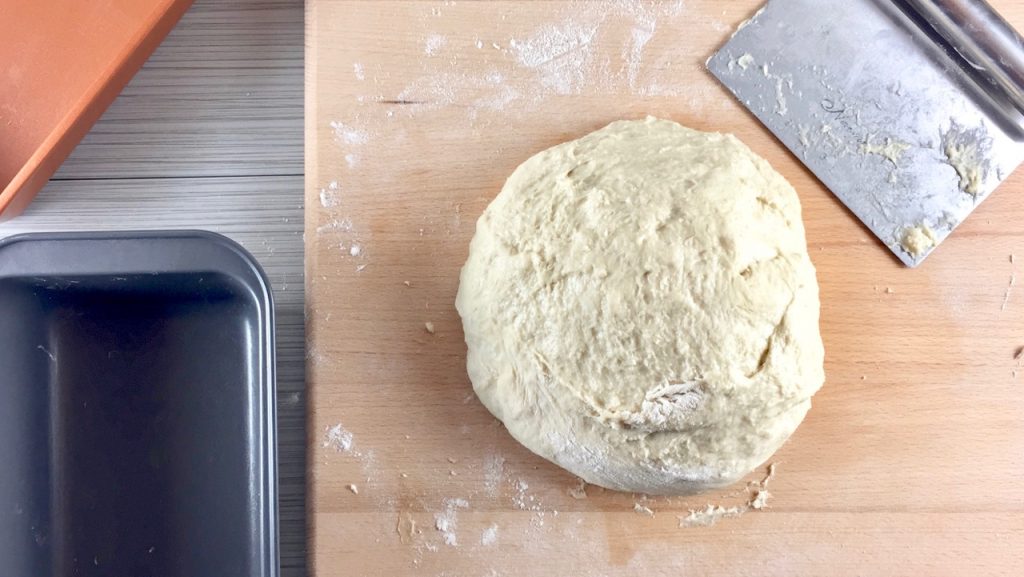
(417,112)
(209,135)
(221,97)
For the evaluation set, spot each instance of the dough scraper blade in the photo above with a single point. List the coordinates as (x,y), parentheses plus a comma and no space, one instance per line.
(909,111)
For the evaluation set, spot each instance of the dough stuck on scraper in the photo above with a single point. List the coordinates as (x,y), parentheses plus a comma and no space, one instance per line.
(640,308)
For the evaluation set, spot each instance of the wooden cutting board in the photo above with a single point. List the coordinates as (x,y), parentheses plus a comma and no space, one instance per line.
(908,463)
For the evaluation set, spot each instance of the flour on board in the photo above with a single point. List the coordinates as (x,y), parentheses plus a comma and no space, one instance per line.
(335,225)
(447,520)
(566,55)
(433,44)
(489,536)
(339,439)
(329,196)
(560,53)
(349,134)
(494,471)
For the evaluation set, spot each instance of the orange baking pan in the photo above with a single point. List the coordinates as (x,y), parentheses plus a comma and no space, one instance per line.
(62,62)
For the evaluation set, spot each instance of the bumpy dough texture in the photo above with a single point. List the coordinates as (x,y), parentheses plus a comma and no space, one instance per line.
(640,308)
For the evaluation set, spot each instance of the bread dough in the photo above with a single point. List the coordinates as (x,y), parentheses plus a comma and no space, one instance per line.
(639,308)
(918,239)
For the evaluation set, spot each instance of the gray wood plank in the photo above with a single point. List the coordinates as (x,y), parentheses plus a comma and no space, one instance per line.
(222,96)
(209,135)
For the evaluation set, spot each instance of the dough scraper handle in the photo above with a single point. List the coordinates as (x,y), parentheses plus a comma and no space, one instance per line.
(991,48)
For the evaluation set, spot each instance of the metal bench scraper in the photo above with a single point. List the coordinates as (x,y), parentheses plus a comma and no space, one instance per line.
(910,111)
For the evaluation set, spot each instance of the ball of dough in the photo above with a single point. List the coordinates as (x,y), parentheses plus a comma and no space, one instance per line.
(639,308)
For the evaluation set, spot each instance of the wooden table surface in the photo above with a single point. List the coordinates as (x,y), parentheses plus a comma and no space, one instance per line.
(209,135)
(908,463)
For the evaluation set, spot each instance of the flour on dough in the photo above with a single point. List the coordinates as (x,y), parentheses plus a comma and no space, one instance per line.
(640,308)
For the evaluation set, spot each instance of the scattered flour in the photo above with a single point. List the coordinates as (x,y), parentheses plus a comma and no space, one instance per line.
(489,536)
(447,520)
(502,97)
(336,437)
(567,55)
(335,225)
(339,439)
(329,197)
(433,44)
(357,69)
(559,52)
(494,472)
(645,18)
(436,90)
(520,499)
(349,134)
(640,37)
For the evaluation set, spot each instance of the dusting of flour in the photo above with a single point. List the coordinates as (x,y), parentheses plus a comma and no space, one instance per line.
(447,520)
(489,536)
(339,439)
(586,47)
(329,196)
(349,134)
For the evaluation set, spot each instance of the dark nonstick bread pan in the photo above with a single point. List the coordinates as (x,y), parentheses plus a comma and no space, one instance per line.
(137,415)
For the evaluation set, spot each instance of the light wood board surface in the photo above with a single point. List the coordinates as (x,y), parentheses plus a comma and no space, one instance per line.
(209,135)
(908,462)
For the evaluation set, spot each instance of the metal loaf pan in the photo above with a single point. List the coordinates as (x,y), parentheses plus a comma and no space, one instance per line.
(137,407)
